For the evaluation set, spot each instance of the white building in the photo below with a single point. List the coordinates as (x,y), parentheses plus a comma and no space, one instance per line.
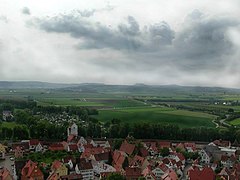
(72,130)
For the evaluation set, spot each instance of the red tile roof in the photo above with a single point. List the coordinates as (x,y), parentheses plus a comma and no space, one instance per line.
(118,158)
(31,170)
(206,173)
(164,144)
(33,142)
(73,147)
(4,173)
(102,156)
(56,147)
(55,165)
(128,148)
(84,164)
(136,161)
(133,173)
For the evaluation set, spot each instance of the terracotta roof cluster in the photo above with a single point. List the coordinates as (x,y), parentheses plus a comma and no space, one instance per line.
(230,174)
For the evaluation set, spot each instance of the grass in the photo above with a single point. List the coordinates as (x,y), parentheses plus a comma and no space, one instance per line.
(164,115)
(10,124)
(235,122)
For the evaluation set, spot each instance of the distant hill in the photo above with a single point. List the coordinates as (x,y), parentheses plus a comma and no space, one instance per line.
(103,88)
(32,85)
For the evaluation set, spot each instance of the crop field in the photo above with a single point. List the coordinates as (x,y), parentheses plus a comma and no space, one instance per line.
(161,115)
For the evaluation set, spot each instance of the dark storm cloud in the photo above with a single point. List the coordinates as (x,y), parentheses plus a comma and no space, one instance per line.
(26,11)
(95,35)
(201,42)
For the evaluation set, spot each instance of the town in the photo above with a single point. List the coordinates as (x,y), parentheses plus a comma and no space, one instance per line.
(77,157)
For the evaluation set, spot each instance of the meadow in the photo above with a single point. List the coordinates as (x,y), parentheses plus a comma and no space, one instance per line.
(161,115)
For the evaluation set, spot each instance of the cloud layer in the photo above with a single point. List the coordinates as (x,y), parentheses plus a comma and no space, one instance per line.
(112,44)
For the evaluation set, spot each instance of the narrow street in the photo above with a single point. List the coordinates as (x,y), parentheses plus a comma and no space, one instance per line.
(7,163)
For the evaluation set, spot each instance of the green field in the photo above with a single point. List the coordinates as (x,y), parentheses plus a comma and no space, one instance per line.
(10,124)
(235,122)
(160,115)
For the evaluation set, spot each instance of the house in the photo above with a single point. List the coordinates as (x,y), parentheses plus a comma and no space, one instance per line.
(101,167)
(2,151)
(39,147)
(82,141)
(144,152)
(31,171)
(56,147)
(228,161)
(205,156)
(138,161)
(118,160)
(102,157)
(152,148)
(127,147)
(33,143)
(104,144)
(170,175)
(160,170)
(230,173)
(59,168)
(222,143)
(72,130)
(24,145)
(7,115)
(85,168)
(72,148)
(164,144)
(5,174)
(18,152)
(194,173)
(148,174)
(133,173)
(177,157)
(190,147)
(69,161)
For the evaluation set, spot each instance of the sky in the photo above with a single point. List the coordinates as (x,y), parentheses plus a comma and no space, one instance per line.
(156,42)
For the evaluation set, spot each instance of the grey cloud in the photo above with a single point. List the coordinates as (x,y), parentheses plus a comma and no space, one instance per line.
(201,43)
(26,11)
(131,29)
(87,13)
(95,34)
(4,19)
(161,33)
(204,42)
